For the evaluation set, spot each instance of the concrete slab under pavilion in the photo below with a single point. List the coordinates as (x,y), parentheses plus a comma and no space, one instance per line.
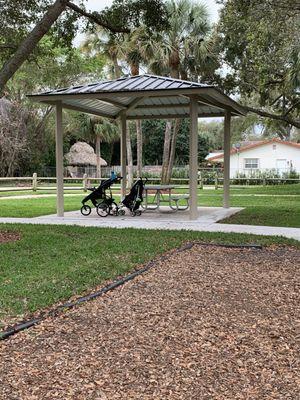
(146,97)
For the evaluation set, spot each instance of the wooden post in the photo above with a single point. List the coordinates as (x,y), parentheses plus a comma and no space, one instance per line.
(59,162)
(84,182)
(200,180)
(98,158)
(34,182)
(226,179)
(193,165)
(123,154)
(216,181)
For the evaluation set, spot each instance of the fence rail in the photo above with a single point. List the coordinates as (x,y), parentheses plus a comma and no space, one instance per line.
(35,183)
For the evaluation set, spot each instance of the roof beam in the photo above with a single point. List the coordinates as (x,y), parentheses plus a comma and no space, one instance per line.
(131,106)
(113,102)
(220,96)
(84,110)
(208,103)
(161,106)
(213,103)
(174,116)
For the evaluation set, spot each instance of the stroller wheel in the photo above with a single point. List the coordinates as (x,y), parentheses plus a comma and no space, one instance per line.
(138,212)
(102,210)
(121,212)
(113,209)
(133,213)
(85,210)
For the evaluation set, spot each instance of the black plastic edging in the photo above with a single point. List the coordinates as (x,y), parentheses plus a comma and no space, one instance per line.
(34,321)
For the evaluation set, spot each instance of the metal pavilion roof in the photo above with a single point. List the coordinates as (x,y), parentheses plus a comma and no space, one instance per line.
(142,97)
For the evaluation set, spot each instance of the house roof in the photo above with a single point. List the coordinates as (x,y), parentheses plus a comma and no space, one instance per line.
(142,97)
(254,145)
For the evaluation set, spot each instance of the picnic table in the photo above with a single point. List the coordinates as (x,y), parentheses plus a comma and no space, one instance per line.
(162,195)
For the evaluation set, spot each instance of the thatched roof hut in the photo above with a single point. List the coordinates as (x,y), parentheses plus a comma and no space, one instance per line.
(82,154)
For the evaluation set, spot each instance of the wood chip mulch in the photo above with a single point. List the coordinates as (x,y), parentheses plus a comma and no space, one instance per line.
(208,323)
(9,236)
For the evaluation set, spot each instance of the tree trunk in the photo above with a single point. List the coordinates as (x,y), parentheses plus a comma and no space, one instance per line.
(139,148)
(117,68)
(129,158)
(172,150)
(135,70)
(174,62)
(98,157)
(30,42)
(166,153)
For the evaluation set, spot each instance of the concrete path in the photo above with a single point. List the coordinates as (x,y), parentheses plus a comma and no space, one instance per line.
(206,222)
(37,196)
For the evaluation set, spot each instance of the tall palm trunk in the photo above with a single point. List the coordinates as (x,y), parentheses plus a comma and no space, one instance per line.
(117,68)
(98,157)
(172,149)
(166,153)
(139,148)
(170,141)
(135,70)
(129,157)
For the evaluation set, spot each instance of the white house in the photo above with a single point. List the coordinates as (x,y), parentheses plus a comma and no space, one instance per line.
(266,155)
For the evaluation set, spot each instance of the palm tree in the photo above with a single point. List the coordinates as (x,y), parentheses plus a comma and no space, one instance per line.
(109,46)
(105,131)
(183,51)
(131,53)
(97,130)
(115,50)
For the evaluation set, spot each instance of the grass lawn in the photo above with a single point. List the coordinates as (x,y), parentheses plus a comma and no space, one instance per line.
(277,205)
(49,265)
(270,205)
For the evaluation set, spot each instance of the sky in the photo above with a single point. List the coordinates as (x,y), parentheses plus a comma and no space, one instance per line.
(97,5)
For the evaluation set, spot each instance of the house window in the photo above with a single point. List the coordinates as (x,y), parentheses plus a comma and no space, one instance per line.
(251,163)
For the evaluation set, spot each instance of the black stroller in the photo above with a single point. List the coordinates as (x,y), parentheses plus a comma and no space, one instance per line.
(134,198)
(104,203)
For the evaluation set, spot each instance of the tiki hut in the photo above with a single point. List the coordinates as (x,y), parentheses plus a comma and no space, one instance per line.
(82,160)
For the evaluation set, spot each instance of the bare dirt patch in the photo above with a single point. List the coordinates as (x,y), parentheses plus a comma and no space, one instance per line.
(208,323)
(9,236)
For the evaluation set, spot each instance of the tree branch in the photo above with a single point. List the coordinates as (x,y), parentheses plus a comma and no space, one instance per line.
(292,107)
(29,43)
(7,46)
(94,17)
(266,114)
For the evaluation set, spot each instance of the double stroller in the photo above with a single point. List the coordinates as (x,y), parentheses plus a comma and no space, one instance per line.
(102,200)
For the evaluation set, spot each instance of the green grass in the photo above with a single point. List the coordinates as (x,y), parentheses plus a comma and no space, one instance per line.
(27,208)
(51,265)
(277,205)
(270,205)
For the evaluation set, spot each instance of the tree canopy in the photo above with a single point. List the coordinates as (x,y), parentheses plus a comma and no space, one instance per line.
(259,45)
(23,28)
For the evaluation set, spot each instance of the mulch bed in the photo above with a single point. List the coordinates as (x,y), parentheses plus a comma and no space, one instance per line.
(208,323)
(9,236)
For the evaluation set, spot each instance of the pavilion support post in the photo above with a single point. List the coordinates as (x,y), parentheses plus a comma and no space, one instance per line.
(226,180)
(59,162)
(123,154)
(193,165)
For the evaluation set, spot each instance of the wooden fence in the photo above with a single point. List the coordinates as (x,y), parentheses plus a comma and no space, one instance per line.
(35,183)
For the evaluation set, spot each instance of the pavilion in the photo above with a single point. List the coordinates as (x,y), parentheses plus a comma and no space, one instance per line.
(145,97)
